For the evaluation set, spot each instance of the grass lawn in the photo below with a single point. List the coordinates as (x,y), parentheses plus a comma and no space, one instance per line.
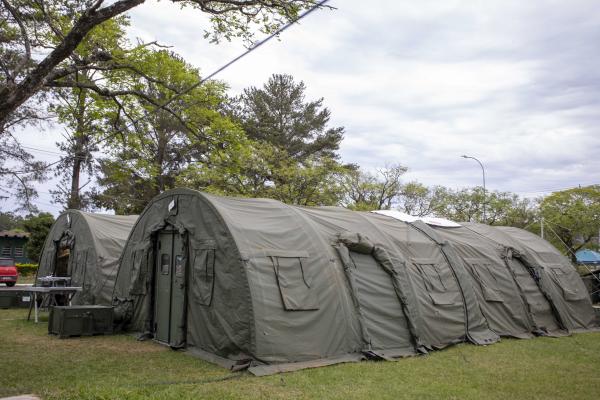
(26,279)
(119,367)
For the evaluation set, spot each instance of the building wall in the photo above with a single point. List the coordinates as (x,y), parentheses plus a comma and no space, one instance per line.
(14,248)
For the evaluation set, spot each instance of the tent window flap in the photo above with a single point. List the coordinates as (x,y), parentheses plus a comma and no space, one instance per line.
(436,278)
(295,284)
(567,281)
(203,276)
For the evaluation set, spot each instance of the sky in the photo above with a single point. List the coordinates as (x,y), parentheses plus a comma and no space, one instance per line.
(515,84)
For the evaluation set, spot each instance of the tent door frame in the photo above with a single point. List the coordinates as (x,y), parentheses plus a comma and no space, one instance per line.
(169,319)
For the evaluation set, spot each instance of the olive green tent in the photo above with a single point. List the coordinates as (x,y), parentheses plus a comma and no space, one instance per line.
(86,247)
(258,283)
(508,294)
(554,274)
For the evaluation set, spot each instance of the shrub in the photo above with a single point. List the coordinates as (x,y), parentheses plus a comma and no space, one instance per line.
(27,269)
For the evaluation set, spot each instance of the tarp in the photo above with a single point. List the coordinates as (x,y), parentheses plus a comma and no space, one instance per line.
(269,284)
(588,257)
(94,243)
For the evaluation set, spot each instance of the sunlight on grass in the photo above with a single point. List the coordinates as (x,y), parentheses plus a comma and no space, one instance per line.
(111,367)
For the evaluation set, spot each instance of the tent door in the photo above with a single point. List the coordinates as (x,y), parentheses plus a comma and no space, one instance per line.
(170,295)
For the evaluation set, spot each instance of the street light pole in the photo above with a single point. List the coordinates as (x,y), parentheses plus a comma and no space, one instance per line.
(484,192)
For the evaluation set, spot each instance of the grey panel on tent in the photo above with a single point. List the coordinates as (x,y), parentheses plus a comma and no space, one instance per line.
(86,247)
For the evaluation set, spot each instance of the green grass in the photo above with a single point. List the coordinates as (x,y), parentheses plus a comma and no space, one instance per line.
(26,279)
(119,367)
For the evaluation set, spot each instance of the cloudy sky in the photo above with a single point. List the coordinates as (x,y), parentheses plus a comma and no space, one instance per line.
(513,83)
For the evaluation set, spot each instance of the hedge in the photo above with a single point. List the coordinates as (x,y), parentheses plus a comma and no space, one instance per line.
(27,269)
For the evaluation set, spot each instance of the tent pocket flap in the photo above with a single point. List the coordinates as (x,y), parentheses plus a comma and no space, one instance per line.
(567,279)
(444,299)
(485,276)
(294,281)
(203,274)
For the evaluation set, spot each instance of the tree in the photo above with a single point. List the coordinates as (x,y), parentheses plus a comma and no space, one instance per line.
(366,191)
(279,114)
(258,169)
(79,110)
(10,221)
(40,52)
(55,29)
(419,200)
(146,159)
(572,217)
(38,227)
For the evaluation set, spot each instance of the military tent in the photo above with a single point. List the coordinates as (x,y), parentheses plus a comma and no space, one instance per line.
(257,281)
(553,273)
(86,247)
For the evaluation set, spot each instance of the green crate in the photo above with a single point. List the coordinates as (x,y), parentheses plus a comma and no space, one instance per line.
(15,299)
(67,321)
(7,299)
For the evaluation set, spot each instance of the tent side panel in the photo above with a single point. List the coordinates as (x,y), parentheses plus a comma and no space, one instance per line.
(500,298)
(558,278)
(301,306)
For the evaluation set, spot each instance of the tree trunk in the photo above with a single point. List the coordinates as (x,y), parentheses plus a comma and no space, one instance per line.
(79,152)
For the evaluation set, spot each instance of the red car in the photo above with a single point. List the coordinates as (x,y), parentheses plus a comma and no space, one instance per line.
(8,271)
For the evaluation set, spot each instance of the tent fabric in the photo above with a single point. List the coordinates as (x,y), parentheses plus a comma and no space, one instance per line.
(95,243)
(553,273)
(279,287)
(508,296)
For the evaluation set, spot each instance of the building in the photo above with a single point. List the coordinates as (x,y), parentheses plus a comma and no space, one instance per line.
(12,245)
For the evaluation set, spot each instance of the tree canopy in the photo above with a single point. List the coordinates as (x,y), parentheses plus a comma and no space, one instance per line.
(279,114)
(572,217)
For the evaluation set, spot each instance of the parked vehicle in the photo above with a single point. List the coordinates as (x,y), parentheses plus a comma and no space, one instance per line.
(8,271)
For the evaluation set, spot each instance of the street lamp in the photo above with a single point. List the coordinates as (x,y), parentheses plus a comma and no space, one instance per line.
(483,171)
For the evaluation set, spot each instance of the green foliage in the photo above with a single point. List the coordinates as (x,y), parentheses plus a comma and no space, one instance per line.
(365,191)
(10,221)
(27,269)
(279,114)
(258,169)
(502,208)
(146,160)
(572,217)
(38,226)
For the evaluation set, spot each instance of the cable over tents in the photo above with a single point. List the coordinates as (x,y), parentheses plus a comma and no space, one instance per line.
(86,247)
(261,284)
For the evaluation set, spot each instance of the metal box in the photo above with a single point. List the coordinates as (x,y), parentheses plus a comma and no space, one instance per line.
(7,299)
(67,321)
(14,299)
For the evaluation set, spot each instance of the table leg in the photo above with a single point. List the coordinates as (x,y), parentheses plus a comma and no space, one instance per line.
(30,307)
(36,306)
